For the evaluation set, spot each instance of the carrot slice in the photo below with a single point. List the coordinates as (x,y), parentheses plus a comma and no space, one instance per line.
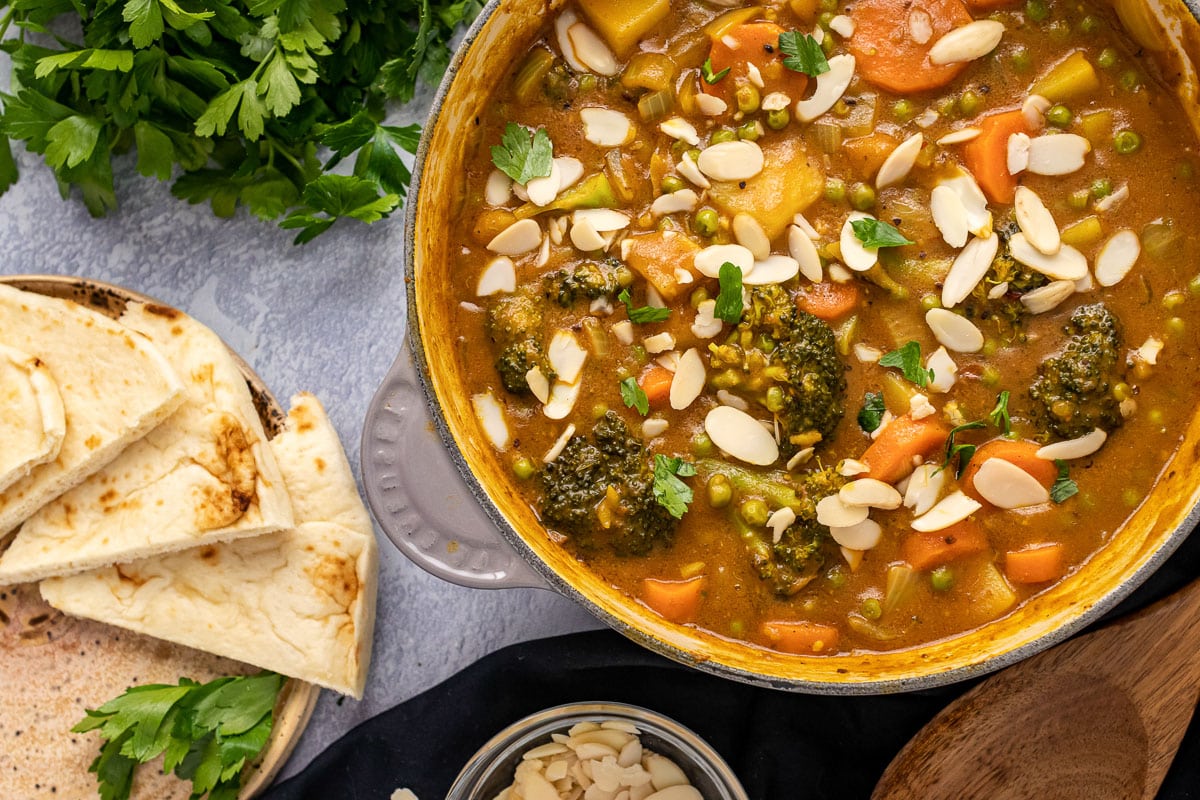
(675,601)
(987,154)
(828,300)
(887,55)
(1018,453)
(656,383)
(754,43)
(800,638)
(890,457)
(926,549)
(1040,564)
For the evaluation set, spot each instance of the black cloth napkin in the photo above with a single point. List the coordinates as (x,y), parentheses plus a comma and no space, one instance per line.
(780,744)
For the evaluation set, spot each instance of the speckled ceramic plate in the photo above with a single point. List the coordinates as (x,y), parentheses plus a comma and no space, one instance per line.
(52,666)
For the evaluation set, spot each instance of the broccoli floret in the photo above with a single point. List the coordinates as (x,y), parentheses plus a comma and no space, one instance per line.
(1072,393)
(1006,312)
(600,491)
(787,360)
(587,281)
(515,324)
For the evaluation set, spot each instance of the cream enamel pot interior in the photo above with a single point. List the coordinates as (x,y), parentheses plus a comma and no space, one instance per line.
(456,532)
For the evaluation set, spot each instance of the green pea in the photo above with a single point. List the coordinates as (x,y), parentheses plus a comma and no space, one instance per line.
(750,131)
(1127,142)
(694,153)
(990,346)
(1089,24)
(970,102)
(755,512)
(835,190)
(747,98)
(837,576)
(1129,80)
(587,82)
(1078,200)
(825,18)
(1122,391)
(862,197)
(1173,300)
(1101,187)
(1037,10)
(765,343)
(722,135)
(672,184)
(599,410)
(1108,58)
(990,376)
(778,119)
(1194,286)
(702,445)
(941,579)
(698,297)
(872,608)
(827,46)
(523,467)
(1176,326)
(930,301)
(720,491)
(624,276)
(1021,60)
(1059,116)
(775,399)
(948,107)
(904,110)
(639,354)
(706,222)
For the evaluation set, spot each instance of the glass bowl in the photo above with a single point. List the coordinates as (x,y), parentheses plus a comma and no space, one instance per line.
(491,769)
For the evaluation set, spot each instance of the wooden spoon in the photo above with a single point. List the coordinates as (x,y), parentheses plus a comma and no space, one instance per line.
(1098,717)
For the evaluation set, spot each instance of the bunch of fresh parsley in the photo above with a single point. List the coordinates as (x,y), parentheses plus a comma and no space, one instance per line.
(206,733)
(234,98)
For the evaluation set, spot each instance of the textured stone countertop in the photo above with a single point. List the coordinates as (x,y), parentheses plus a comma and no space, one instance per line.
(328,318)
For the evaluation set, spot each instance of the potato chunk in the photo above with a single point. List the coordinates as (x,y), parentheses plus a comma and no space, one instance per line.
(623,22)
(789,183)
(656,256)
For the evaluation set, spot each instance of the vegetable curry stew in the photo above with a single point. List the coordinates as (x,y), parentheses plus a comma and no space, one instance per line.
(825,325)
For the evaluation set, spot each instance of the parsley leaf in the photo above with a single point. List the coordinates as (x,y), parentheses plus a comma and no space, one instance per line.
(671,493)
(877,233)
(522,155)
(908,360)
(802,53)
(642,314)
(8,165)
(337,197)
(729,301)
(707,73)
(205,733)
(871,415)
(634,397)
(963,452)
(999,415)
(1064,488)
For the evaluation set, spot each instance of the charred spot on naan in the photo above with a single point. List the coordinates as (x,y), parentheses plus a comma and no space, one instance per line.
(231,461)
(336,576)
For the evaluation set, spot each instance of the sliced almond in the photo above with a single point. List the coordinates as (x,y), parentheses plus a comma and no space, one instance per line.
(562,26)
(831,86)
(1115,199)
(623,330)
(1117,257)
(954,331)
(849,467)
(673,203)
(750,235)
(659,343)
(857,257)
(854,559)
(689,380)
(1057,154)
(709,260)
(490,414)
(779,521)
(842,25)
(1048,297)
(563,397)
(656,426)
(919,407)
(971,41)
(834,513)
(517,239)
(954,508)
(681,129)
(772,269)
(870,492)
(741,436)
(959,136)
(603,220)
(710,105)
(1034,110)
(1068,264)
(539,384)
(570,170)
(804,251)
(688,169)
(753,74)
(585,237)
(979,219)
(498,190)
(542,191)
(1005,485)
(776,101)
(924,488)
(920,26)
(867,354)
(498,276)
(1036,221)
(862,536)
(949,215)
(707,325)
(728,398)
(559,445)
(998,291)
(945,371)
(566,356)
(591,50)
(1017,155)
(1080,447)
(604,127)
(731,161)
(1149,351)
(968,269)
(900,161)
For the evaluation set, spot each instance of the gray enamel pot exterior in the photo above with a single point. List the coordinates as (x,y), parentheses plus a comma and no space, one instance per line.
(443,501)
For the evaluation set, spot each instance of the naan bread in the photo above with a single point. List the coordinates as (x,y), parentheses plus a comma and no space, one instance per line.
(32,420)
(205,475)
(114,386)
(299,602)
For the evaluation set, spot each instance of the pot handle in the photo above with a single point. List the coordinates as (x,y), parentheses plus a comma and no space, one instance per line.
(419,498)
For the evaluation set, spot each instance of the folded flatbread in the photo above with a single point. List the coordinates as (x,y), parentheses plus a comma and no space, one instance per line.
(32,420)
(113,383)
(299,602)
(205,475)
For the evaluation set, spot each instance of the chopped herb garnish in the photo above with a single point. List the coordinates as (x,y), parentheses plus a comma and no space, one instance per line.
(802,53)
(707,73)
(522,155)
(1064,488)
(634,397)
(729,301)
(908,360)
(963,452)
(877,233)
(642,314)
(871,415)
(999,415)
(671,493)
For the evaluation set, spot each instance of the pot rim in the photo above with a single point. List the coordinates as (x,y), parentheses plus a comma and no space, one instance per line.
(1094,612)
